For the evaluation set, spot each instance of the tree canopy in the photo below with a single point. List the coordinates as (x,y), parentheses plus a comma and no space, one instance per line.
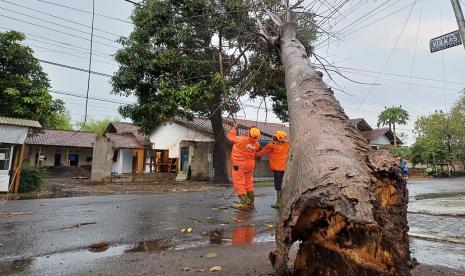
(441,136)
(198,58)
(96,126)
(24,85)
(392,116)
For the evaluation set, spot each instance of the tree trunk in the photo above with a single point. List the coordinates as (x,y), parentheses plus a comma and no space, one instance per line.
(219,149)
(345,204)
(395,135)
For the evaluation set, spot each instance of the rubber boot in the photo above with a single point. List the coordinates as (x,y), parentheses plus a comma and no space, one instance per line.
(251,199)
(242,205)
(278,204)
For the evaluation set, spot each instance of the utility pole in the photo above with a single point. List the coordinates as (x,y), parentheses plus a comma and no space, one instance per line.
(460,20)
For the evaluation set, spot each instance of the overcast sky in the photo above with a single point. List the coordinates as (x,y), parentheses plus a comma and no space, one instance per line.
(386,46)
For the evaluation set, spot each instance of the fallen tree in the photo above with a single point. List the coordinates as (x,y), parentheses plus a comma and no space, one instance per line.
(345,204)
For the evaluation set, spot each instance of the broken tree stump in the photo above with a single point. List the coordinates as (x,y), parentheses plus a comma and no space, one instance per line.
(346,205)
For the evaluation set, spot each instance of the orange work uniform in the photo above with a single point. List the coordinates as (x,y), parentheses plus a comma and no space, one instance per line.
(243,161)
(278,155)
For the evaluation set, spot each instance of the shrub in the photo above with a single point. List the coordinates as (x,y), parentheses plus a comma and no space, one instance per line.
(31,178)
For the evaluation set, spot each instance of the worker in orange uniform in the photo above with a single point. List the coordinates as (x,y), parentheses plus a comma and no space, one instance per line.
(243,165)
(278,150)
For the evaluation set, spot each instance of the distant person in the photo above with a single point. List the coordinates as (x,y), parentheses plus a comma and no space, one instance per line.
(277,150)
(403,168)
(243,165)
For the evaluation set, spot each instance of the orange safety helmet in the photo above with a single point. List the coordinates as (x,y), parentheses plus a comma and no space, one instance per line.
(254,132)
(280,135)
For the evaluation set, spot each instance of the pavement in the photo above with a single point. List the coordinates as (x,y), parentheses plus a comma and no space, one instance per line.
(145,232)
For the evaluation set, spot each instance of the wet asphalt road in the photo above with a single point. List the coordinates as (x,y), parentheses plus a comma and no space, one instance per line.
(124,219)
(134,221)
(436,186)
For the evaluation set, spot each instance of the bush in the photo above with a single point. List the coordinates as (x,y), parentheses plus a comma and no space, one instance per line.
(31,178)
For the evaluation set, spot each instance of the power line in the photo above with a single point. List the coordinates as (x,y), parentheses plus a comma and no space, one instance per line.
(61,18)
(28,35)
(390,55)
(55,30)
(66,53)
(90,61)
(343,68)
(132,2)
(416,47)
(77,51)
(84,11)
(74,68)
(107,100)
(57,24)
(396,81)
(319,45)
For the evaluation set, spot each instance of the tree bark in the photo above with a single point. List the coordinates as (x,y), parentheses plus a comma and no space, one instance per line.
(219,149)
(344,203)
(395,135)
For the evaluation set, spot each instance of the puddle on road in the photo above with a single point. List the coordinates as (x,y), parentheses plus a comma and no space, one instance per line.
(438,253)
(39,265)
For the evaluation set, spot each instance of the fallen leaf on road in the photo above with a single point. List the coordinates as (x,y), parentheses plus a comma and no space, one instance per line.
(186,230)
(200,270)
(100,246)
(185,269)
(211,255)
(269,225)
(10,214)
(215,268)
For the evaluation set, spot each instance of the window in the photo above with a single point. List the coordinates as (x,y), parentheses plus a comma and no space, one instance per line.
(4,159)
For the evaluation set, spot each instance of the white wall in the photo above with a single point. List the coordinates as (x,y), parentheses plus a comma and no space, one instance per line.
(381,141)
(167,136)
(49,153)
(13,134)
(123,163)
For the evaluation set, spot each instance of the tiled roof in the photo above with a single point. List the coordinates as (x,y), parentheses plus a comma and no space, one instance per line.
(266,128)
(203,125)
(66,138)
(125,128)
(19,122)
(125,141)
(361,124)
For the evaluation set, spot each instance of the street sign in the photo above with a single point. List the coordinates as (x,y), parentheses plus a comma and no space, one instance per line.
(445,41)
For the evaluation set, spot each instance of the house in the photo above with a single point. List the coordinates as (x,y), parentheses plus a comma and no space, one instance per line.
(60,148)
(69,148)
(186,147)
(132,150)
(378,138)
(189,146)
(13,133)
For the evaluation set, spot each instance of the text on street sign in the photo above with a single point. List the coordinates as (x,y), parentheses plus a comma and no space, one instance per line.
(445,41)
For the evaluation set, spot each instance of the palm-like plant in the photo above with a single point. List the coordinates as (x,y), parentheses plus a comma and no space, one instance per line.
(392,116)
